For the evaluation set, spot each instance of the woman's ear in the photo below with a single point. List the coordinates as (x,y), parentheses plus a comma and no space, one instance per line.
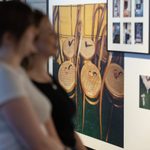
(8,40)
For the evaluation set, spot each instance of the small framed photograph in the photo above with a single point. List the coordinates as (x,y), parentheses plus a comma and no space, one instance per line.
(116,33)
(144,97)
(128,26)
(116,8)
(138,33)
(139,8)
(127,33)
(127,8)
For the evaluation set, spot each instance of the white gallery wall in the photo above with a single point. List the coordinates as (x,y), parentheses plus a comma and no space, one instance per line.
(136,120)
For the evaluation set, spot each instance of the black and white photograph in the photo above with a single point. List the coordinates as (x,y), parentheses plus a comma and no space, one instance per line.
(139,8)
(127,33)
(116,8)
(116,33)
(138,33)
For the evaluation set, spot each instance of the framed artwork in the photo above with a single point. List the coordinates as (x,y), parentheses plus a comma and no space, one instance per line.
(128,26)
(137,101)
(92,76)
(144,92)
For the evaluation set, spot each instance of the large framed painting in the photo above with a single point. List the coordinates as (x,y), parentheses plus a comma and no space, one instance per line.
(128,26)
(92,76)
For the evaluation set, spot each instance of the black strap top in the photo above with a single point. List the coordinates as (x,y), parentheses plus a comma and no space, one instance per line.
(63,110)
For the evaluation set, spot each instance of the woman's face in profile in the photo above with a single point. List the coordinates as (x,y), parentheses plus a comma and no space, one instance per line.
(26,45)
(47,40)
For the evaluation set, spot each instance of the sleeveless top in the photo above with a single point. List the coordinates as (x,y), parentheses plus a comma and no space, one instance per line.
(63,110)
(14,83)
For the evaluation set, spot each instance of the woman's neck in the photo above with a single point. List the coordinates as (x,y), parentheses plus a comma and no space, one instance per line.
(39,70)
(9,57)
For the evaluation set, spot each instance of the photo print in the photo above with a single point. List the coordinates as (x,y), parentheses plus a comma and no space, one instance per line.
(144,92)
(127,33)
(116,33)
(116,8)
(139,8)
(127,8)
(92,77)
(138,33)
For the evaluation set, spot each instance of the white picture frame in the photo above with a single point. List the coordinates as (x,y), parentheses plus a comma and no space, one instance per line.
(128,26)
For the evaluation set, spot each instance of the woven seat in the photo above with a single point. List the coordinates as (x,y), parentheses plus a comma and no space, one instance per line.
(115,80)
(90,80)
(69,47)
(87,48)
(66,76)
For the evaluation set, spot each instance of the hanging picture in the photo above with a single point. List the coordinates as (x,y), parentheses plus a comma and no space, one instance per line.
(128,26)
(144,92)
(92,76)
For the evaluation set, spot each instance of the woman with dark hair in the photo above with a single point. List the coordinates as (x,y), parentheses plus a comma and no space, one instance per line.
(24,111)
(36,66)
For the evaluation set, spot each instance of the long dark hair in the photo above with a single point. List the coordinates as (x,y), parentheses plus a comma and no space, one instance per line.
(15,18)
(38,16)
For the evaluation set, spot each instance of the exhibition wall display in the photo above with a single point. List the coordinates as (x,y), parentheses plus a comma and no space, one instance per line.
(128,26)
(110,88)
(91,76)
